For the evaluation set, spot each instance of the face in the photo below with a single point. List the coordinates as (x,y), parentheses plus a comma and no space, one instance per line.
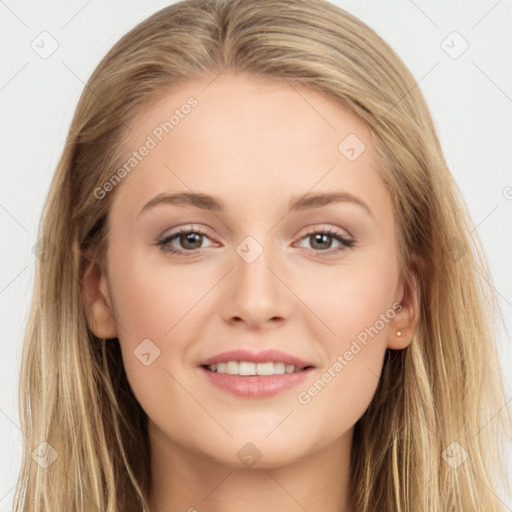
(271,269)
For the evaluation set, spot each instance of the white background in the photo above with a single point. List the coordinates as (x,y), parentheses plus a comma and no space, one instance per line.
(470,98)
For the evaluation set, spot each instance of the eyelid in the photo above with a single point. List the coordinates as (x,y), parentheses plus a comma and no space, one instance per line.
(326,228)
(185,229)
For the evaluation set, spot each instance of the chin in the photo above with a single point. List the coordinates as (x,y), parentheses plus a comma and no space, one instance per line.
(256,452)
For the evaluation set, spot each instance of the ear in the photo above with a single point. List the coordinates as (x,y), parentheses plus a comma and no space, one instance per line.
(96,298)
(406,316)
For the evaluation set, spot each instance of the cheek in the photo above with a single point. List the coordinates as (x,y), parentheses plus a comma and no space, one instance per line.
(343,388)
(349,299)
(157,307)
(154,299)
(357,306)
(340,393)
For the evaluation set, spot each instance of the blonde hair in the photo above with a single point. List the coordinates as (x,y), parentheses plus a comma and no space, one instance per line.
(445,388)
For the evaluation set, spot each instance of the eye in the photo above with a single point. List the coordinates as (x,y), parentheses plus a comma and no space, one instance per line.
(189,239)
(321,241)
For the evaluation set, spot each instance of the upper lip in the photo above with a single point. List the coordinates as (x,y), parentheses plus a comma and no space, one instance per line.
(261,356)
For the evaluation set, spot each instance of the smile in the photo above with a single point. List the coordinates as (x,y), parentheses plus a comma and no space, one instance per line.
(251,368)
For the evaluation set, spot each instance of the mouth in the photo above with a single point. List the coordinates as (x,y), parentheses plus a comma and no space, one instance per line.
(255,375)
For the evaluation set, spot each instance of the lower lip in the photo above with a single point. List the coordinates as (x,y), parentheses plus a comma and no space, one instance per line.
(256,386)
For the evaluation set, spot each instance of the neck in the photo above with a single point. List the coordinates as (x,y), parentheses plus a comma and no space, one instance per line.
(187,481)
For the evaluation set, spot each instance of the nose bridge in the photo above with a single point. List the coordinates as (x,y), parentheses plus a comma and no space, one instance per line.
(256,294)
(252,262)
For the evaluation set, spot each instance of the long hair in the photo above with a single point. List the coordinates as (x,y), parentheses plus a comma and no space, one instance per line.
(430,439)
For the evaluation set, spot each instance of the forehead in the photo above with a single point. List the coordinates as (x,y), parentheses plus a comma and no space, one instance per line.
(249,140)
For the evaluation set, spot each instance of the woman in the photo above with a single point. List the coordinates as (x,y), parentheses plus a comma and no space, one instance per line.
(263,292)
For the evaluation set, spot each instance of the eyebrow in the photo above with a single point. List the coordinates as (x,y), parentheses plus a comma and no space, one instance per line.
(211,203)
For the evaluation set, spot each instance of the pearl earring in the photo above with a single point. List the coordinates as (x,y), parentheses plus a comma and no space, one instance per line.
(398,333)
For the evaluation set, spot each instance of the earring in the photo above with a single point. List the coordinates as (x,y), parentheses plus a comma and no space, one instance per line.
(398,333)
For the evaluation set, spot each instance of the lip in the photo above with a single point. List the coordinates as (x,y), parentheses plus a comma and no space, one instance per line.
(255,386)
(263,356)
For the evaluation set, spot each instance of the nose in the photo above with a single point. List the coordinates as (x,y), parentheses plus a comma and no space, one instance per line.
(255,293)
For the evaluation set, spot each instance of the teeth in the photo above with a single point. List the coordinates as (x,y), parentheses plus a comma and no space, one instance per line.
(232,367)
(248,368)
(244,368)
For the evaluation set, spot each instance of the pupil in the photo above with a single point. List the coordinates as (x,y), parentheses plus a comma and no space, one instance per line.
(321,239)
(190,238)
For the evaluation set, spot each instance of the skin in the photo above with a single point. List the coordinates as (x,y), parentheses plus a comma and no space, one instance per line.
(255,145)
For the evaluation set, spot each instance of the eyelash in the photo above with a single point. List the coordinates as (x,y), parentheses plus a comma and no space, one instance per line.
(346,243)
